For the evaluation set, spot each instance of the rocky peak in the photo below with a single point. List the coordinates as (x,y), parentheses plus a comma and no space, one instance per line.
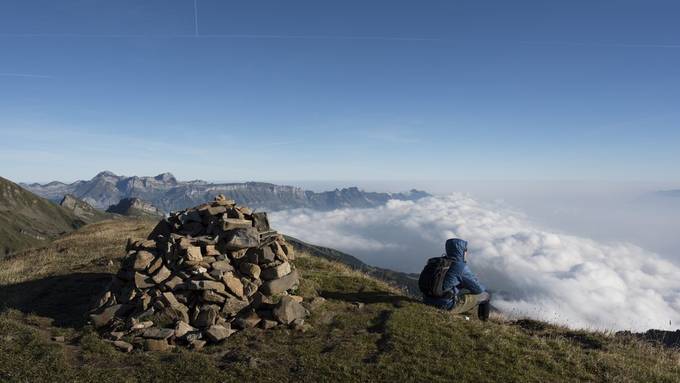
(106,174)
(134,207)
(70,202)
(81,209)
(167,178)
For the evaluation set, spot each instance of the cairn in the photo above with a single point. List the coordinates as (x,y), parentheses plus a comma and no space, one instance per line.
(202,274)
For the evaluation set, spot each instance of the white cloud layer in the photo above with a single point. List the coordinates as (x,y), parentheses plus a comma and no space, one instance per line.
(537,273)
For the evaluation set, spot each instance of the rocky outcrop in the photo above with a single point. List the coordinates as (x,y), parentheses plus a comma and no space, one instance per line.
(168,194)
(135,207)
(81,209)
(202,275)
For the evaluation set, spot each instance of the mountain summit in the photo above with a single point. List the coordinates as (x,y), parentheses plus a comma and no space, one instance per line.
(168,194)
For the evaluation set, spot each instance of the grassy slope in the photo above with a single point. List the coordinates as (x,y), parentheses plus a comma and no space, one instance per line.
(390,338)
(28,220)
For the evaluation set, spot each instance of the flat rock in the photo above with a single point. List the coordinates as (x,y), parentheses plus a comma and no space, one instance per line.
(211,296)
(233,284)
(248,320)
(288,310)
(218,332)
(235,223)
(211,251)
(123,345)
(277,286)
(106,316)
(158,333)
(276,272)
(261,301)
(182,328)
(216,210)
(233,305)
(241,238)
(142,260)
(207,316)
(143,281)
(193,254)
(206,285)
(173,282)
(162,274)
(222,266)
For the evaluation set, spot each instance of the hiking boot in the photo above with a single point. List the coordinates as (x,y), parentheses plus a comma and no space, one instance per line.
(483,310)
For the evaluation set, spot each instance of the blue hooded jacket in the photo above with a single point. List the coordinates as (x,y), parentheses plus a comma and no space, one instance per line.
(458,277)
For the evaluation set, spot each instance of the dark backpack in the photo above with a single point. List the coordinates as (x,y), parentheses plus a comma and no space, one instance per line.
(431,279)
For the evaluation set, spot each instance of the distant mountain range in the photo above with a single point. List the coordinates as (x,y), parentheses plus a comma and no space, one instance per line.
(168,194)
(669,193)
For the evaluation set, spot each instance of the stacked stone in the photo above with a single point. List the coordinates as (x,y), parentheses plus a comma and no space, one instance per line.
(202,274)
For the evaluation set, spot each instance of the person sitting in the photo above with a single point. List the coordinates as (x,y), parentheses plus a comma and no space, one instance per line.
(460,288)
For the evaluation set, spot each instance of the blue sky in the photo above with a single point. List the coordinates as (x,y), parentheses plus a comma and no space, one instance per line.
(344,90)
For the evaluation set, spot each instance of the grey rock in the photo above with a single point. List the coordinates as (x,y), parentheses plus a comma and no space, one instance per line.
(277,286)
(250,269)
(143,281)
(158,333)
(241,238)
(247,320)
(233,305)
(142,260)
(276,272)
(233,284)
(193,254)
(222,266)
(207,285)
(182,328)
(162,274)
(123,346)
(207,316)
(106,316)
(218,332)
(288,310)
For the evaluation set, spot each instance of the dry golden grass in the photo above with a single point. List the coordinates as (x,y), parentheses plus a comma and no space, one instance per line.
(87,249)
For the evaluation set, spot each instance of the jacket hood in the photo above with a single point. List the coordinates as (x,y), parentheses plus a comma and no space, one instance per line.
(455,249)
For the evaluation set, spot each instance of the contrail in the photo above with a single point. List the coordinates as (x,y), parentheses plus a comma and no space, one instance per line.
(24,75)
(196,18)
(213,36)
(604,45)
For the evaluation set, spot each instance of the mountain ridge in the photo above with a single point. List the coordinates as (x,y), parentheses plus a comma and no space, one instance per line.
(27,220)
(168,194)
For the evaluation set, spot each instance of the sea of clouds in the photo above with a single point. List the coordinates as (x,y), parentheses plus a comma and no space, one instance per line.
(537,273)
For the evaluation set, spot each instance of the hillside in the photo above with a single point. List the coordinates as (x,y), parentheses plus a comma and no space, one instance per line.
(364,330)
(407,283)
(168,194)
(28,220)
